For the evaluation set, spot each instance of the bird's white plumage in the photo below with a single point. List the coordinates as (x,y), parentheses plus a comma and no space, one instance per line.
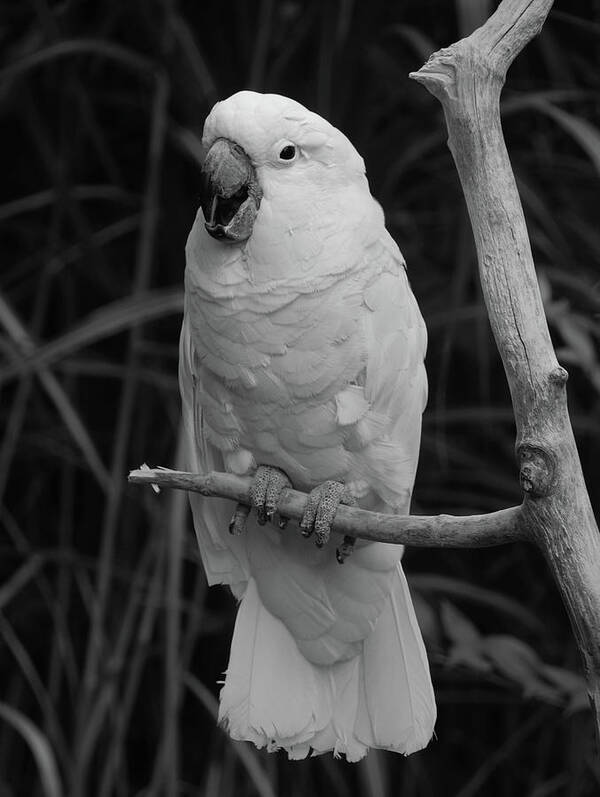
(303,348)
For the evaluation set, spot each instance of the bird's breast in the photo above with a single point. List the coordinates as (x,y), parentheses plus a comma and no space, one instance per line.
(270,369)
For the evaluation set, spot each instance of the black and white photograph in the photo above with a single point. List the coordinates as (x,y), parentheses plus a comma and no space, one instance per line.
(300,398)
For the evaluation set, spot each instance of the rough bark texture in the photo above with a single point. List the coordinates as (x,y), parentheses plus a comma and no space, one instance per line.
(467,79)
(439,531)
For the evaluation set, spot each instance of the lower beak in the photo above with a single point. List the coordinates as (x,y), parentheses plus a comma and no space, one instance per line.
(230,194)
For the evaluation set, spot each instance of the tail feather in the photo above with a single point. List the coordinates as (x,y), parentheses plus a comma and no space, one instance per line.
(273,696)
(397,707)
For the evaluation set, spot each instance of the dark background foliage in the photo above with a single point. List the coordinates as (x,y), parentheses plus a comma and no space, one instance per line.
(112,646)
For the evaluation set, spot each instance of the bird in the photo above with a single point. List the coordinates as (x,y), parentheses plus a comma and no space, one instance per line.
(302,363)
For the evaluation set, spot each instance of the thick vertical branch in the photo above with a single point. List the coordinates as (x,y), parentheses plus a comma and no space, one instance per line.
(467,79)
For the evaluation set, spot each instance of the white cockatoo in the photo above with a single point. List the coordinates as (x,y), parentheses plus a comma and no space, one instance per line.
(302,362)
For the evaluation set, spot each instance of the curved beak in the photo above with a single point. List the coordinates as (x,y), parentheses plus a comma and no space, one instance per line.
(230,194)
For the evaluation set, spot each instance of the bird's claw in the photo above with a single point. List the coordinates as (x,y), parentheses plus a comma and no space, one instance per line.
(320,510)
(265,492)
(267,486)
(345,549)
(321,506)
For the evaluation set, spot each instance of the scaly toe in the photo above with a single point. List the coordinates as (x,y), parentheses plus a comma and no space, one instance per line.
(267,486)
(320,510)
(278,482)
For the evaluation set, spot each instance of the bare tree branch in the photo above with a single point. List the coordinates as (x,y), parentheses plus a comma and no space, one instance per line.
(467,79)
(439,531)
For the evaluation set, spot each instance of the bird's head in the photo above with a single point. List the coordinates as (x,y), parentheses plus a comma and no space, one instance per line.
(265,147)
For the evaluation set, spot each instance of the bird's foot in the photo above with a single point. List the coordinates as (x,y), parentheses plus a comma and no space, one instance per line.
(322,503)
(345,549)
(319,513)
(267,486)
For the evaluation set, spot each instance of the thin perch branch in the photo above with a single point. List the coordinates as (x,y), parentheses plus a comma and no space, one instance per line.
(439,531)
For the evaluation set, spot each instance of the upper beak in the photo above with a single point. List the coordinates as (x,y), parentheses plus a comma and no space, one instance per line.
(230,194)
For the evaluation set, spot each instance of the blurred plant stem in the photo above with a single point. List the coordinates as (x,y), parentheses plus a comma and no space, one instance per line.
(97,650)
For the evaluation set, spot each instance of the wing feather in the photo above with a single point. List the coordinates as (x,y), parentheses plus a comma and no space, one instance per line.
(395,382)
(224,556)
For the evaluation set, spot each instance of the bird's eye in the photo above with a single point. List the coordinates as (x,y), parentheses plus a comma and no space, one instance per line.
(288,153)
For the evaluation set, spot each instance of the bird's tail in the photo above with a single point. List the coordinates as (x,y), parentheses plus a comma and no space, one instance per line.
(383,697)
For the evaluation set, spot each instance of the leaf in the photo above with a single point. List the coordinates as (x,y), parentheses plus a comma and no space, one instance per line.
(421,44)
(517,661)
(459,629)
(198,67)
(577,332)
(583,132)
(32,202)
(189,142)
(11,588)
(426,618)
(571,684)
(116,317)
(578,339)
(466,640)
(40,749)
(463,590)
(580,701)
(70,417)
(99,47)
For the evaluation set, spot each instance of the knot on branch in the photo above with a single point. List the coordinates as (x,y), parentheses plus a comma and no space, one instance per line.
(559,376)
(537,469)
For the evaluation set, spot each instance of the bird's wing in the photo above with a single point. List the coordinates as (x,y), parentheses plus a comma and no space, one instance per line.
(329,608)
(394,383)
(224,556)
